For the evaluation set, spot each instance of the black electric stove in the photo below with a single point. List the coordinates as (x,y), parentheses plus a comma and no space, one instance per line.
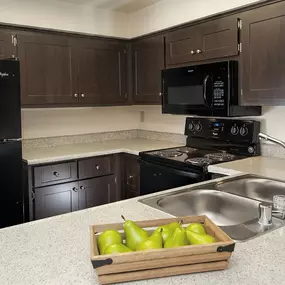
(209,141)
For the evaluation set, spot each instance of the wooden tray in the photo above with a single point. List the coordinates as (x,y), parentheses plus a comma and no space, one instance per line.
(115,268)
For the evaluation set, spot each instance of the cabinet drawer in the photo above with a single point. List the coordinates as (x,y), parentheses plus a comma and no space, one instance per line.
(96,166)
(56,173)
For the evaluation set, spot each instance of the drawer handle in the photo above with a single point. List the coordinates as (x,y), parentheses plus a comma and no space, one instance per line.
(55,173)
(131,176)
(82,188)
(97,167)
(192,52)
(74,189)
(198,51)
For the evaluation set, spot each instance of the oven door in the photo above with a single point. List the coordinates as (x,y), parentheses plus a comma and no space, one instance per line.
(155,178)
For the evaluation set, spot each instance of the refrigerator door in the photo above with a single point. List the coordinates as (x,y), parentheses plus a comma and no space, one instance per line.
(11,186)
(10,107)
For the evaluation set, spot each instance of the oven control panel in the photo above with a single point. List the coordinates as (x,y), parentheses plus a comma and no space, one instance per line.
(233,130)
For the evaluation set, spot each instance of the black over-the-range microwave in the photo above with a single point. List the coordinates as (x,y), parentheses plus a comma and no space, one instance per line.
(204,90)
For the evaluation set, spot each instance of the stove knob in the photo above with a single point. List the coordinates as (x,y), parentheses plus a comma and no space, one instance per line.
(243,131)
(234,130)
(191,127)
(198,127)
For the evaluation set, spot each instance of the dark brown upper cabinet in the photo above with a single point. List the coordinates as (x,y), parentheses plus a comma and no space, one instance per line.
(47,73)
(263,55)
(209,40)
(102,71)
(7,44)
(148,61)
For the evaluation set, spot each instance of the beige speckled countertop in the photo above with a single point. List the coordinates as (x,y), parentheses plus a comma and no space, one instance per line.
(73,151)
(271,167)
(56,251)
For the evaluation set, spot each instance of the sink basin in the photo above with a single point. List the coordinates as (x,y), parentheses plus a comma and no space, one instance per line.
(261,189)
(231,204)
(223,208)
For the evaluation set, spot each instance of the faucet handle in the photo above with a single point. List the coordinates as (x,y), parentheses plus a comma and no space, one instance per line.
(279,202)
(265,214)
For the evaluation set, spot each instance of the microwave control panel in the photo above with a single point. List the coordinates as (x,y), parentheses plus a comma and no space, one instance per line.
(218,93)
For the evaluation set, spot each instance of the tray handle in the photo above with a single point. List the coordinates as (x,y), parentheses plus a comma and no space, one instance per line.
(100,263)
(226,248)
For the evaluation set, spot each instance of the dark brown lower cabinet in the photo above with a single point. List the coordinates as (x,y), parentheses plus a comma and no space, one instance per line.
(96,192)
(56,200)
(130,176)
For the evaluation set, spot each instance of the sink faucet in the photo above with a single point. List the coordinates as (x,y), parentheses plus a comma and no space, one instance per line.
(266,211)
(271,139)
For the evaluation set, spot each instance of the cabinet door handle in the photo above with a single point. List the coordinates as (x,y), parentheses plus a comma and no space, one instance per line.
(82,188)
(160,94)
(198,51)
(75,95)
(82,95)
(97,167)
(56,174)
(192,52)
(74,189)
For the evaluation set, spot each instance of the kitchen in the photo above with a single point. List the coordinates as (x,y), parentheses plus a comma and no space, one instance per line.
(85,122)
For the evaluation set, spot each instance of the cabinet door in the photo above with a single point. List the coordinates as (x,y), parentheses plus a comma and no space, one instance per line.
(148,61)
(96,191)
(56,200)
(263,56)
(131,176)
(7,49)
(102,72)
(219,38)
(181,46)
(47,74)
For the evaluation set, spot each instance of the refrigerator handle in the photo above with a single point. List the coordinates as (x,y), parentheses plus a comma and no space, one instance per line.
(12,140)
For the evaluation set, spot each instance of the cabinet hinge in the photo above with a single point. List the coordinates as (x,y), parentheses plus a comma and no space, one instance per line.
(239,24)
(240,47)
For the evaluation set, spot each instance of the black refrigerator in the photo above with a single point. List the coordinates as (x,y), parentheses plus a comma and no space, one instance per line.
(11,186)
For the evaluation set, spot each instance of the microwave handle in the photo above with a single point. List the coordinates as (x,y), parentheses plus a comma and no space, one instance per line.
(205,82)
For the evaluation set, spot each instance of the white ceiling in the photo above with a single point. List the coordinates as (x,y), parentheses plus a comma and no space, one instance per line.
(125,6)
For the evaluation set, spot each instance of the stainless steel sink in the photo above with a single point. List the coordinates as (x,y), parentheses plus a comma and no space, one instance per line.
(254,187)
(232,204)
(223,208)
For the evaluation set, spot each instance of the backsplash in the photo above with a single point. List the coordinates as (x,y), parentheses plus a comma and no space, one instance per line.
(267,149)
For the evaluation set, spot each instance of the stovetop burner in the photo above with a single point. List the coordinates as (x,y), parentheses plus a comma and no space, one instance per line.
(220,156)
(169,153)
(199,160)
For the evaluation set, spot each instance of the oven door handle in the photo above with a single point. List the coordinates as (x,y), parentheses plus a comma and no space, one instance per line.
(169,169)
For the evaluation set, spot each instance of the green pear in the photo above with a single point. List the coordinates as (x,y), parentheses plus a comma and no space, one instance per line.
(134,234)
(107,238)
(117,248)
(177,239)
(168,230)
(195,238)
(196,228)
(153,242)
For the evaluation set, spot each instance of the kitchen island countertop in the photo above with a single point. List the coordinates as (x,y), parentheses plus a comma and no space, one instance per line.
(56,251)
(270,167)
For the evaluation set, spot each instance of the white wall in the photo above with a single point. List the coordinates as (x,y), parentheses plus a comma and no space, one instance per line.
(60,15)
(37,123)
(167,13)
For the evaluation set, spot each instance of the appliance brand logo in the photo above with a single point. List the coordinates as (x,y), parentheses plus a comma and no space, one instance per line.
(4,74)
